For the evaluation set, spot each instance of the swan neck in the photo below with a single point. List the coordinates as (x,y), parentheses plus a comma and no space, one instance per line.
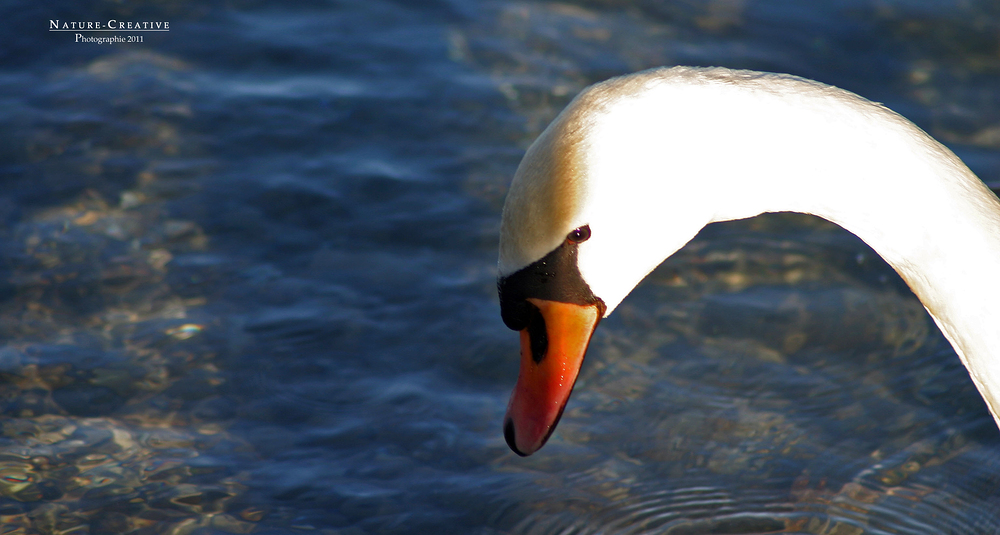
(920,208)
(691,147)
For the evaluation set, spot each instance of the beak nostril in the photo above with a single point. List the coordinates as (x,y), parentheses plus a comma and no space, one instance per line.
(508,435)
(538,337)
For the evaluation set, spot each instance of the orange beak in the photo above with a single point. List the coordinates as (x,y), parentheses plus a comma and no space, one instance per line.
(545,381)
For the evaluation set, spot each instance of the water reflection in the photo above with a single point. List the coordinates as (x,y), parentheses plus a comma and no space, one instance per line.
(115,422)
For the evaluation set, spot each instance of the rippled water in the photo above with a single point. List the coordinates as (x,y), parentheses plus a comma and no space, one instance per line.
(247,281)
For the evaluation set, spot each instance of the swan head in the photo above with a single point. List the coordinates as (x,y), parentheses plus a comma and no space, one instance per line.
(590,212)
(635,166)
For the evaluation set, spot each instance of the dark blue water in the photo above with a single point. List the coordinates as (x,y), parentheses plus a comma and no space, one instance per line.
(247,281)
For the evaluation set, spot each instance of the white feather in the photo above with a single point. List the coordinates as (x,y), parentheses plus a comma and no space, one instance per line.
(649,159)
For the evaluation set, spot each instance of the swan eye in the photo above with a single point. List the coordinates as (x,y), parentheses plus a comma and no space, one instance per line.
(580,234)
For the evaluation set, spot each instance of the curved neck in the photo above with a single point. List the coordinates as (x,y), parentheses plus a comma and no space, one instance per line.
(713,149)
(910,199)
(939,228)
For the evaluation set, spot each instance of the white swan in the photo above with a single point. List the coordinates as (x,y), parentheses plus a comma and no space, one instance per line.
(635,166)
